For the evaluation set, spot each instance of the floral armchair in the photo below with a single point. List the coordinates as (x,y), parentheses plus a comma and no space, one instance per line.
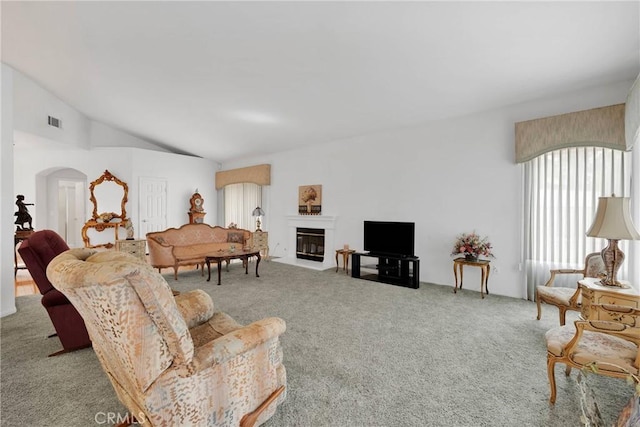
(568,298)
(172,361)
(611,345)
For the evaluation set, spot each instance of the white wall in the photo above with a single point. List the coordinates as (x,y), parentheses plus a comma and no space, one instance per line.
(633,256)
(41,150)
(7,289)
(91,147)
(32,106)
(632,130)
(36,160)
(102,135)
(448,177)
(183,173)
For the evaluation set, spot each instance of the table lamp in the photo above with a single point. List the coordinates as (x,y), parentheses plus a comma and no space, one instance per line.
(258,212)
(613,222)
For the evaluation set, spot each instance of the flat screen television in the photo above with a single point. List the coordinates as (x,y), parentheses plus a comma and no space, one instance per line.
(389,238)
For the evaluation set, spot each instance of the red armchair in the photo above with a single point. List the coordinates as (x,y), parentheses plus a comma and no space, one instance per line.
(36,252)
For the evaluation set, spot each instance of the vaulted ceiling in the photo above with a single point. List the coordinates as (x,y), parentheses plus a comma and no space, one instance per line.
(225,79)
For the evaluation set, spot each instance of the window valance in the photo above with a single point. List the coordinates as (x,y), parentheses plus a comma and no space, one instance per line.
(260,174)
(632,115)
(602,127)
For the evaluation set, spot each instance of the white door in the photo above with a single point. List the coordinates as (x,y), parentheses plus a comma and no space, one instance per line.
(71,211)
(153,206)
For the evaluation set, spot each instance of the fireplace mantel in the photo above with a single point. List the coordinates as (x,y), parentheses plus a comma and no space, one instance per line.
(311,221)
(326,222)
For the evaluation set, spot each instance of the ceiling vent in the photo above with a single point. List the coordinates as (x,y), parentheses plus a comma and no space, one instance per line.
(56,123)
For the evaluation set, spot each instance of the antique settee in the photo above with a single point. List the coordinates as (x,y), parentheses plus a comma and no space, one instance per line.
(189,244)
(173,361)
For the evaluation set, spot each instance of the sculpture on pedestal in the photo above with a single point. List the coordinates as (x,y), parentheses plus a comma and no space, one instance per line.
(22,216)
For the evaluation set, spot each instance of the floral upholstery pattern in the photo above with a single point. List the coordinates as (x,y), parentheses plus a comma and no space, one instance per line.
(171,361)
(610,345)
(235,237)
(557,295)
(607,350)
(594,266)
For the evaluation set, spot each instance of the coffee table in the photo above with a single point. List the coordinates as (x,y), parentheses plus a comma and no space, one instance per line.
(220,257)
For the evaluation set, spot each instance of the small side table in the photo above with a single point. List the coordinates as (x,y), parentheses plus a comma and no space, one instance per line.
(485,267)
(345,258)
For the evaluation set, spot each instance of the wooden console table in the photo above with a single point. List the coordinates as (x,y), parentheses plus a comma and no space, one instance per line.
(100,226)
(594,293)
(485,268)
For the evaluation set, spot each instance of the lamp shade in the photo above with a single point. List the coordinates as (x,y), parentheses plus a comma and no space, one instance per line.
(258,211)
(613,220)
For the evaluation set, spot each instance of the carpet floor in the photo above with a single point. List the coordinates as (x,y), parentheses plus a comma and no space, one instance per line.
(357,353)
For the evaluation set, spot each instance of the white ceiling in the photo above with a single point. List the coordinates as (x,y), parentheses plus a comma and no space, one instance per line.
(224,79)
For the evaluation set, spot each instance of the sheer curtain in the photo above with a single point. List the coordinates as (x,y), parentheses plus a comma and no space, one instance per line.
(561,190)
(239,202)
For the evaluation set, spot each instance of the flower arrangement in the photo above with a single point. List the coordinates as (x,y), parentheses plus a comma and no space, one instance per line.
(472,246)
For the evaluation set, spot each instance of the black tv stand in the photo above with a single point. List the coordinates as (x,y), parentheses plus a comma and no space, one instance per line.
(400,270)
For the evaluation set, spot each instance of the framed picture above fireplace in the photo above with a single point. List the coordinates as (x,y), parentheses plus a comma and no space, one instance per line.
(310,199)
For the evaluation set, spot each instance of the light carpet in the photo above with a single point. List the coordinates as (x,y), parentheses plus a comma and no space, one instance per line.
(357,353)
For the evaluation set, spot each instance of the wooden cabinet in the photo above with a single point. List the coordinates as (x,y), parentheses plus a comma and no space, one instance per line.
(594,293)
(134,247)
(261,242)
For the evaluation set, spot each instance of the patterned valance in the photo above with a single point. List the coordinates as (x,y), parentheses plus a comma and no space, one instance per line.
(632,115)
(260,174)
(601,127)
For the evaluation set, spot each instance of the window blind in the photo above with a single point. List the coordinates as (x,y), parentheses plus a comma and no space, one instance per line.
(561,190)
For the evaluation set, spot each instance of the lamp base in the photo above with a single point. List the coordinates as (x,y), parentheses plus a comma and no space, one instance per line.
(613,258)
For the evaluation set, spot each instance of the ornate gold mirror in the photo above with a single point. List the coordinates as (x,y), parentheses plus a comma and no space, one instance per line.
(109,196)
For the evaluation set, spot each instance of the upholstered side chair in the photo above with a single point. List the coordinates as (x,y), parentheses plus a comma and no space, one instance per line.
(172,361)
(37,252)
(568,298)
(610,345)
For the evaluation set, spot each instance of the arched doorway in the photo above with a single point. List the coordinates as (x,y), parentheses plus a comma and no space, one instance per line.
(61,197)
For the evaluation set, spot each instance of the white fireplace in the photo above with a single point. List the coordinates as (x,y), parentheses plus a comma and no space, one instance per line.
(327,223)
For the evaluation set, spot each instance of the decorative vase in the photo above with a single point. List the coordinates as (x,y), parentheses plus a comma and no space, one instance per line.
(471,257)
